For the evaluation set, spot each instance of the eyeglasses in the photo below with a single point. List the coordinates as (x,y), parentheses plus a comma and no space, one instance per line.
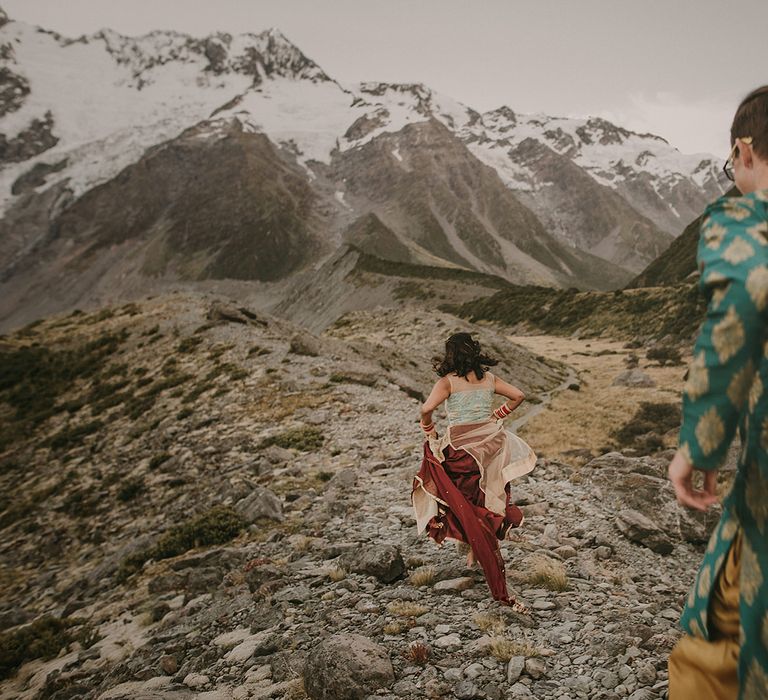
(728,165)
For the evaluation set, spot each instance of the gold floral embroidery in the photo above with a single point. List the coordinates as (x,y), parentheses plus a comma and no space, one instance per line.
(718,563)
(696,630)
(697,383)
(713,540)
(728,335)
(764,633)
(713,235)
(759,232)
(757,495)
(718,294)
(739,251)
(737,210)
(705,582)
(730,528)
(740,384)
(757,286)
(756,685)
(751,576)
(710,431)
(755,392)
(764,434)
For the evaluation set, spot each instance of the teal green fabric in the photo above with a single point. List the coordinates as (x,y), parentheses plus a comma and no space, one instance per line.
(726,391)
(469,406)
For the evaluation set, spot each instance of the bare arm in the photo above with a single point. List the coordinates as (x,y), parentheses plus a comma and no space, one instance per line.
(440,392)
(512,393)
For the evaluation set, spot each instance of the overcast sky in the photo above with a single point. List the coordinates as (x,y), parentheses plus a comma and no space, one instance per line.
(677,68)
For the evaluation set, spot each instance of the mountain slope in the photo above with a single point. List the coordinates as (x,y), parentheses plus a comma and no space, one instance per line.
(678,261)
(113,180)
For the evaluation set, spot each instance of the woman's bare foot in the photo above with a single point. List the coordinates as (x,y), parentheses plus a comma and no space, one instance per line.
(471,559)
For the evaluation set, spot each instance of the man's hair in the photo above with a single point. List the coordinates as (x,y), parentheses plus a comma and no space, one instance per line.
(751,119)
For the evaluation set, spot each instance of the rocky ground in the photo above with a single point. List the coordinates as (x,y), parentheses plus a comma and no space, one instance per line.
(313,582)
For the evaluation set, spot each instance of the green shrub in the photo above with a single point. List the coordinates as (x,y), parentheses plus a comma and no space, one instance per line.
(258,351)
(44,638)
(72,436)
(157,460)
(644,430)
(353,378)
(215,526)
(306,438)
(189,344)
(32,378)
(130,489)
(665,355)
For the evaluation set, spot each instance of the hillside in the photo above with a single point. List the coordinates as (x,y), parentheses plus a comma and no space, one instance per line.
(679,260)
(671,313)
(202,499)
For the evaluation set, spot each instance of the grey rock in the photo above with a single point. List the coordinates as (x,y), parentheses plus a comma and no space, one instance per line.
(454,585)
(642,694)
(467,690)
(294,594)
(346,667)
(634,378)
(515,668)
(636,527)
(261,503)
(383,561)
(535,667)
(305,344)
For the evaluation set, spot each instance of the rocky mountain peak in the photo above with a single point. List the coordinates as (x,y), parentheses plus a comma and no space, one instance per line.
(4,19)
(264,55)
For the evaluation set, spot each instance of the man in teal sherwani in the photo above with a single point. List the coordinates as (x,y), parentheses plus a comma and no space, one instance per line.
(725,652)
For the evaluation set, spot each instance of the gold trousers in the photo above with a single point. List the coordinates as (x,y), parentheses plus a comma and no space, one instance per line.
(701,670)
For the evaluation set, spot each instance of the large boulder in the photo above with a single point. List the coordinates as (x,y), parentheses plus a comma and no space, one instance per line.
(641,484)
(634,378)
(637,528)
(261,503)
(383,561)
(347,667)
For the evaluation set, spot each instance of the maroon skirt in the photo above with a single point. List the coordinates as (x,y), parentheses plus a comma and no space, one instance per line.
(456,482)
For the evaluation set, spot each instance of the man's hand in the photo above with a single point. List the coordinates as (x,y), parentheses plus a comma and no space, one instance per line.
(681,476)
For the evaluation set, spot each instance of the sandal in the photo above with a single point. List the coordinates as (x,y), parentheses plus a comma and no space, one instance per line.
(518,607)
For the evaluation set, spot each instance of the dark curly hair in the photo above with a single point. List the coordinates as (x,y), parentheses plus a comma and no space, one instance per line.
(462,355)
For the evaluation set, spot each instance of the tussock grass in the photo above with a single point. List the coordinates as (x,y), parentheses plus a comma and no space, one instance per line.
(490,622)
(393,628)
(504,649)
(302,543)
(337,573)
(296,690)
(548,573)
(425,576)
(404,608)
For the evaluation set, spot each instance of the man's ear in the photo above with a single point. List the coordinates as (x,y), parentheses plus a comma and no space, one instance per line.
(747,156)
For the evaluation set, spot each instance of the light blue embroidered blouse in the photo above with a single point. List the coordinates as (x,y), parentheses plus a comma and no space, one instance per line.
(470,405)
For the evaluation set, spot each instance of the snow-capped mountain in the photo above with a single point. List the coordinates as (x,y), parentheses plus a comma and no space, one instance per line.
(162,142)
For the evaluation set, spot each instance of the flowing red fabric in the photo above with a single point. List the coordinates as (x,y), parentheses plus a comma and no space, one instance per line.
(456,482)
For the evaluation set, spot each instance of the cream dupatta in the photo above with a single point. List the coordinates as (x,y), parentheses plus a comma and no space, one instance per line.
(501,457)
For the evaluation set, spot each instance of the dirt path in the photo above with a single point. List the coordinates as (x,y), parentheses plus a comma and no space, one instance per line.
(568,421)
